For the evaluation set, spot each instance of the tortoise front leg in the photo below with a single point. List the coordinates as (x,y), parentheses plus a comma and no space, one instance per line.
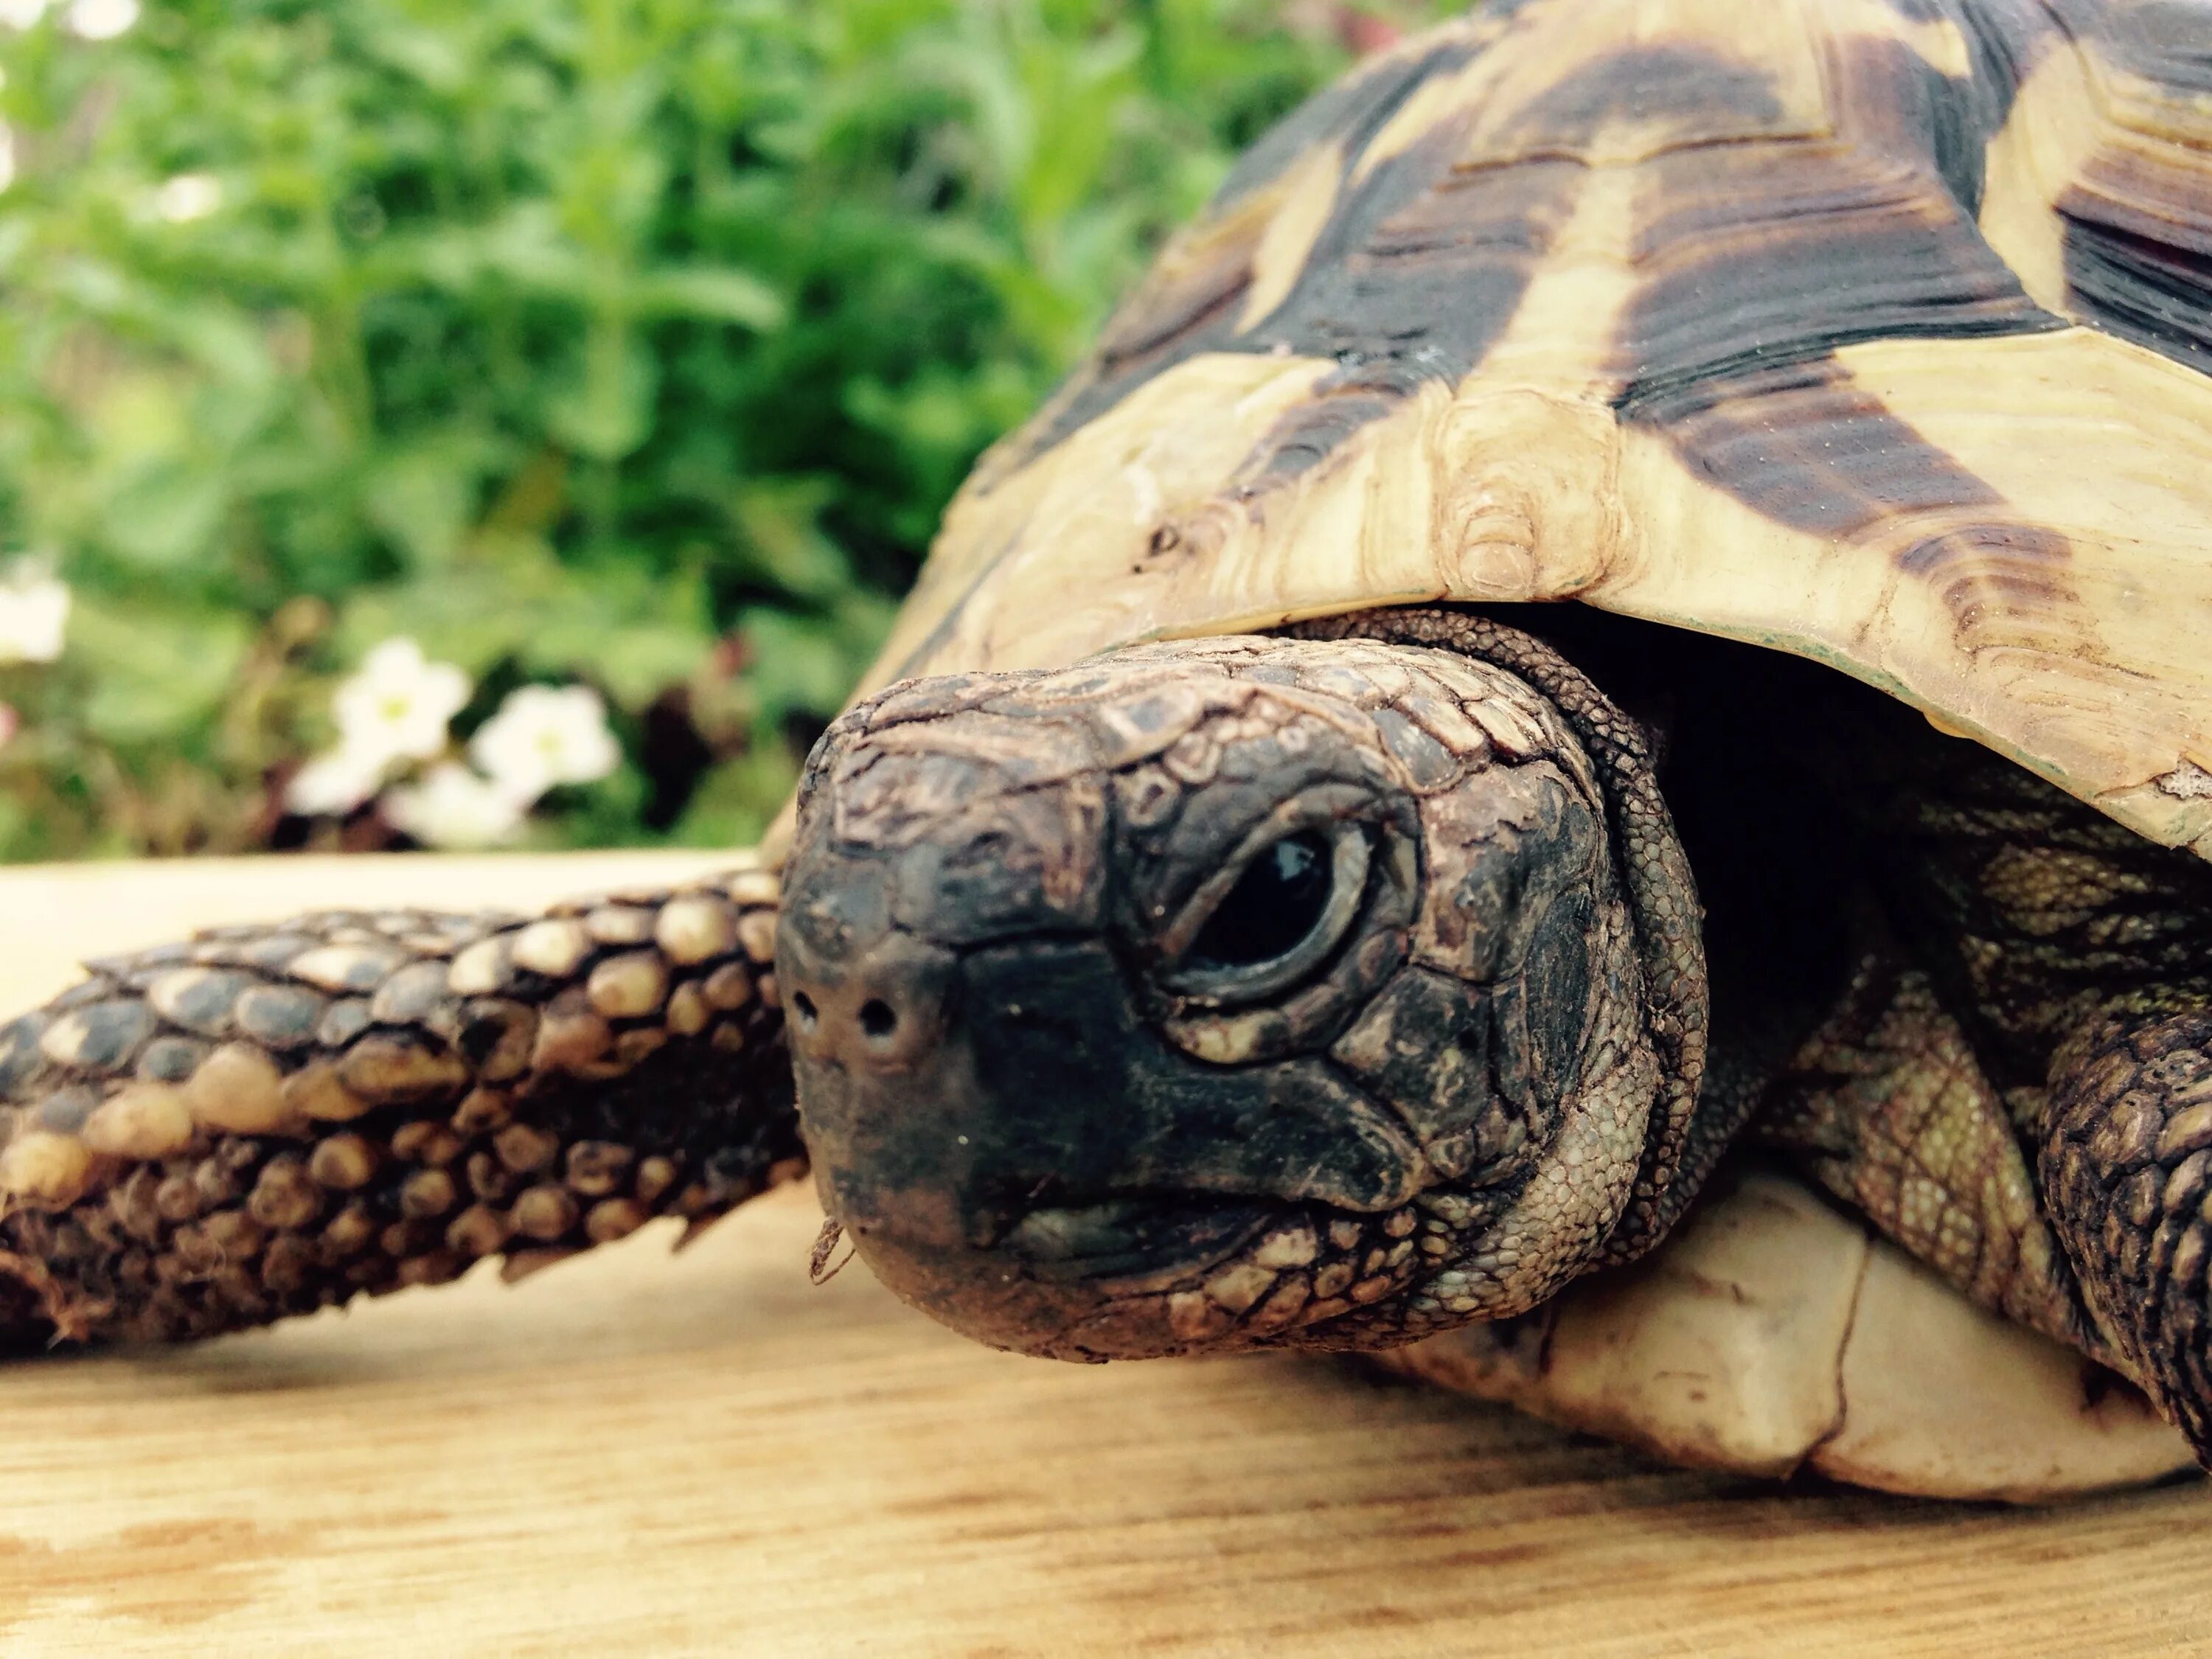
(269,1120)
(2127,1172)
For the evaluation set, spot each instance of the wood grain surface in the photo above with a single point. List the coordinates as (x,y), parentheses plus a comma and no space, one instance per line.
(642,1454)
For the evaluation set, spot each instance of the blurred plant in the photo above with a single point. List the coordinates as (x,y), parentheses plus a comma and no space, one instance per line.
(631,346)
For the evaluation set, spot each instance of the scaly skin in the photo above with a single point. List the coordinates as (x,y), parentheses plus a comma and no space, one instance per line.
(270,1120)
(1487,1089)
(1888,1107)
(1689,1130)
(2127,1164)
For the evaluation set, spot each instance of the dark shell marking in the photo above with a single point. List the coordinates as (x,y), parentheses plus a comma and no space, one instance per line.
(1191,303)
(1763,243)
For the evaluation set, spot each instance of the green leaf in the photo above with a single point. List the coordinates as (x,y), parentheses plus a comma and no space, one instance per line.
(157,676)
(422,500)
(166,514)
(606,412)
(710,293)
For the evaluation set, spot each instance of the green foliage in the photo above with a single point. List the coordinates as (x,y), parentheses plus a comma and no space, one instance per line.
(638,341)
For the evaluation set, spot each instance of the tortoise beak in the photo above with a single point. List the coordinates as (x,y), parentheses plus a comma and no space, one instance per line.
(969,1129)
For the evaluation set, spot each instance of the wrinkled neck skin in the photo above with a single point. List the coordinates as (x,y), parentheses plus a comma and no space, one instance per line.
(1237,993)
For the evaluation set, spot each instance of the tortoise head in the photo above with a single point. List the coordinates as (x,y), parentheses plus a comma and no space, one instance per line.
(1228,993)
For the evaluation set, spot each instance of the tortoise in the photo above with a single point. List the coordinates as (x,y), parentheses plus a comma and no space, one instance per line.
(1582,750)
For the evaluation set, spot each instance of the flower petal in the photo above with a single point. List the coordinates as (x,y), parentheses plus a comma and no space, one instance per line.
(454,807)
(33,619)
(335,782)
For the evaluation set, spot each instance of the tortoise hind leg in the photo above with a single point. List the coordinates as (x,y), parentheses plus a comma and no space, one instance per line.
(267,1120)
(2126,1167)
(1889,1106)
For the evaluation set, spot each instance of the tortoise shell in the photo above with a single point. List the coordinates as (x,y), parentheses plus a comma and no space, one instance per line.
(1875,330)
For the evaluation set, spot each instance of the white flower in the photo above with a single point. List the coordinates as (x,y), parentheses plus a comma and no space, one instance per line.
(543,736)
(33,616)
(454,807)
(102,19)
(21,14)
(398,705)
(335,782)
(7,157)
(188,196)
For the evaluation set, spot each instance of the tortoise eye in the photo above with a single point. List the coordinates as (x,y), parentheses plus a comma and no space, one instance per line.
(1285,912)
(1275,903)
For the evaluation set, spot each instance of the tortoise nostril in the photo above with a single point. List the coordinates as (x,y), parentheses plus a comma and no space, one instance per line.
(877,1004)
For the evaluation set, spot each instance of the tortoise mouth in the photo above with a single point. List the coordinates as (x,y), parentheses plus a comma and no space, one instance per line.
(1148,1274)
(1135,1241)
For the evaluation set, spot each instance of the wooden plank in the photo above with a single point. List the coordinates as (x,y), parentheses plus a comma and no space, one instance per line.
(636,1454)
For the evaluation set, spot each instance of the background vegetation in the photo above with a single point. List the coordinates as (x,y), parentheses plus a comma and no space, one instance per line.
(634,344)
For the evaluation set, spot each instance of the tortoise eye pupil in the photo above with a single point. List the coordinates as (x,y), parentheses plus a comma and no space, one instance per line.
(1288,906)
(1278,900)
